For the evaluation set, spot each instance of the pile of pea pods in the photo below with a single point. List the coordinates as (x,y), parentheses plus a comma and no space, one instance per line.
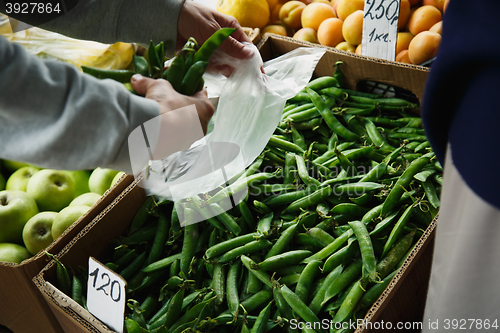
(185,71)
(344,189)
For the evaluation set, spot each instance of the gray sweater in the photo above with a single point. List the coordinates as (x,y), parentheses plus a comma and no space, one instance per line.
(53,116)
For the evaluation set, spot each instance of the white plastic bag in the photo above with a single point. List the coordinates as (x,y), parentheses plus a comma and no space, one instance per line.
(249,108)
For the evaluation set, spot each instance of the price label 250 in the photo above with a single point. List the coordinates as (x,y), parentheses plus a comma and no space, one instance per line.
(380,27)
(106,295)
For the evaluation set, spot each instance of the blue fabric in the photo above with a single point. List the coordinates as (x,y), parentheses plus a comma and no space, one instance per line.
(461,104)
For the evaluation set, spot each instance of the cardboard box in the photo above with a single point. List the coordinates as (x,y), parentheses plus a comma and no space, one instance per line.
(92,240)
(356,68)
(22,308)
(402,301)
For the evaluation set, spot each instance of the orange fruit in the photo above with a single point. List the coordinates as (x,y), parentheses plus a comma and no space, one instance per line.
(345,46)
(330,32)
(404,14)
(403,57)
(315,13)
(272,4)
(438,27)
(275,14)
(274,29)
(424,47)
(358,50)
(415,2)
(249,13)
(291,12)
(347,7)
(423,18)
(352,29)
(306,34)
(439,4)
(403,41)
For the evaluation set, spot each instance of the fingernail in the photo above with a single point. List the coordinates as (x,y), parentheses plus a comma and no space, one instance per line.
(136,77)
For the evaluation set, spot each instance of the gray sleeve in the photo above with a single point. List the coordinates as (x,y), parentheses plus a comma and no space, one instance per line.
(130,21)
(53,116)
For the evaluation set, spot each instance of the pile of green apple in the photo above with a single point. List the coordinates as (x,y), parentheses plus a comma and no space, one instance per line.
(37,205)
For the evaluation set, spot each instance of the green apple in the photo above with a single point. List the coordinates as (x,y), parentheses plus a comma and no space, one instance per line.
(85,199)
(117,178)
(2,182)
(14,253)
(19,179)
(12,166)
(67,217)
(16,208)
(37,232)
(80,179)
(100,180)
(52,189)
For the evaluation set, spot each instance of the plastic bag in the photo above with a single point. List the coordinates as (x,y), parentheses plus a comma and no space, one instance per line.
(249,108)
(47,44)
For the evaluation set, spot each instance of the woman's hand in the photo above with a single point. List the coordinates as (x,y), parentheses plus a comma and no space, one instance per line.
(183,119)
(200,22)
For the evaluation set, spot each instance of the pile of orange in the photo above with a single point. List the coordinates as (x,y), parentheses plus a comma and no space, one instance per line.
(339,24)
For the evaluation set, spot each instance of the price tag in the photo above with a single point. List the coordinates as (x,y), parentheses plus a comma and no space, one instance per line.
(106,295)
(380,29)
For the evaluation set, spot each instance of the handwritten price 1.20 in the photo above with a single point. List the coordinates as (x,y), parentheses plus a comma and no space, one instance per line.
(108,287)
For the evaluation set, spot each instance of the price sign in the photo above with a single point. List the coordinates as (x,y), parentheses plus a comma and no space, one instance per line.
(380,28)
(106,295)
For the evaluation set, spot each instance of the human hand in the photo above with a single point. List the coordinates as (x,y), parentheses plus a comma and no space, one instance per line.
(200,22)
(183,119)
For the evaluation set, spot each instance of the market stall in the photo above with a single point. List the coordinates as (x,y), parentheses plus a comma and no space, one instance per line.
(328,221)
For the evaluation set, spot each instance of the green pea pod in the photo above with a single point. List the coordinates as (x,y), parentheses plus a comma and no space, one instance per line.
(174,309)
(298,305)
(353,297)
(142,214)
(140,65)
(307,276)
(160,51)
(155,64)
(282,242)
(374,292)
(397,230)
(323,82)
(349,275)
(225,246)
(120,75)
(369,270)
(254,269)
(132,326)
(250,247)
(160,238)
(192,77)
(260,325)
(212,43)
(402,183)
(330,249)
(395,255)
(338,75)
(175,73)
(293,257)
(191,314)
(232,297)
(191,235)
(218,283)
